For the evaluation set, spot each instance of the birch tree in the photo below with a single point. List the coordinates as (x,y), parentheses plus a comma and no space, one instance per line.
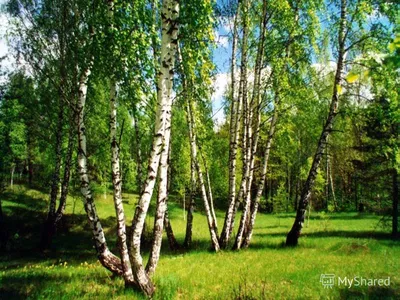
(233,136)
(348,37)
(253,124)
(169,15)
(115,157)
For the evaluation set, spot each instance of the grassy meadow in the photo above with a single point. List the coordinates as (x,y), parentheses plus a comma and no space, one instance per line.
(344,244)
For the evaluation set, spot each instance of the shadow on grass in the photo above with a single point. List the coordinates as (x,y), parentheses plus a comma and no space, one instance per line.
(27,285)
(339,233)
(24,219)
(333,216)
(373,292)
(44,284)
(22,200)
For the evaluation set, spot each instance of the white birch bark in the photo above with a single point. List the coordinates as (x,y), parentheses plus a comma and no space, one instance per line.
(261,184)
(161,199)
(117,186)
(115,166)
(233,143)
(254,129)
(193,148)
(107,259)
(294,234)
(189,222)
(170,12)
(247,130)
(209,193)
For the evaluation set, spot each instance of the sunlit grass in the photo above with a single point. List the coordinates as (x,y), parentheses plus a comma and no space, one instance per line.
(344,244)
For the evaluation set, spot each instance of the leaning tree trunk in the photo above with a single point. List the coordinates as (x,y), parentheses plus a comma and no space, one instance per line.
(117,186)
(209,193)
(138,150)
(261,184)
(193,148)
(50,226)
(115,166)
(189,222)
(55,180)
(67,173)
(255,118)
(170,13)
(195,162)
(247,131)
(233,143)
(29,145)
(294,234)
(161,198)
(173,244)
(107,259)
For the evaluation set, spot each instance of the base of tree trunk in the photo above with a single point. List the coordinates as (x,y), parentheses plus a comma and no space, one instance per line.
(49,230)
(110,261)
(292,239)
(173,244)
(4,236)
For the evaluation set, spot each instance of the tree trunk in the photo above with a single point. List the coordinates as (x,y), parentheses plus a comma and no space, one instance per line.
(50,226)
(138,151)
(233,142)
(116,172)
(170,13)
(189,222)
(67,173)
(246,130)
(12,175)
(107,259)
(161,207)
(253,207)
(209,193)
(30,159)
(117,184)
(253,128)
(333,189)
(294,234)
(261,183)
(327,178)
(193,147)
(58,152)
(173,244)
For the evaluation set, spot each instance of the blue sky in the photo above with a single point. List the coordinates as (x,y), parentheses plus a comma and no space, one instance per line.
(221,58)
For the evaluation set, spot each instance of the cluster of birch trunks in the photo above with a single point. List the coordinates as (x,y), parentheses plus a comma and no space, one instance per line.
(245,123)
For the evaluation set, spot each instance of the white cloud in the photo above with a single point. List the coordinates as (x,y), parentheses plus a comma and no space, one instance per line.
(7,63)
(220,85)
(324,69)
(227,24)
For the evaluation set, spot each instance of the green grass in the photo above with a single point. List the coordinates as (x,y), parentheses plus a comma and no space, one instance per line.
(345,244)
